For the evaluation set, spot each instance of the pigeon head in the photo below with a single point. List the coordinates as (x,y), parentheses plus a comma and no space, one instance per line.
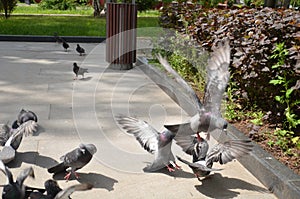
(90,147)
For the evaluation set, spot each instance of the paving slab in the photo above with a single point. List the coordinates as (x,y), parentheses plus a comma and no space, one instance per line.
(39,76)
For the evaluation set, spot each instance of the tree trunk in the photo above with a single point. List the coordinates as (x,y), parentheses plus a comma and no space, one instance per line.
(286,3)
(97,8)
(270,3)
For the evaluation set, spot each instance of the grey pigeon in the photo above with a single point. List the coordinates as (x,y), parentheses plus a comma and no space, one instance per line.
(15,136)
(65,45)
(26,128)
(52,189)
(157,143)
(80,50)
(65,194)
(57,38)
(208,115)
(15,189)
(222,153)
(74,160)
(78,70)
(24,116)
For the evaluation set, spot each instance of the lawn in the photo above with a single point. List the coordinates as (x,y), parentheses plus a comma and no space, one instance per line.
(83,10)
(64,25)
(24,21)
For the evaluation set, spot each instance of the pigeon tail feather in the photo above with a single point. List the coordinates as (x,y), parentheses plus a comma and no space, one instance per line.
(57,168)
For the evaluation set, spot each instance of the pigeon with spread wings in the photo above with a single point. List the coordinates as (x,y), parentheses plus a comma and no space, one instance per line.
(208,115)
(203,159)
(15,189)
(157,143)
(11,139)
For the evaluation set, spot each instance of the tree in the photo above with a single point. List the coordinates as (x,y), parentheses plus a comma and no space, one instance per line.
(8,6)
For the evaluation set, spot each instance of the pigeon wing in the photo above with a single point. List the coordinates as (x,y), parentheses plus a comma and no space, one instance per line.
(64,194)
(145,134)
(226,152)
(7,172)
(81,71)
(24,174)
(217,77)
(181,81)
(187,143)
(26,128)
(5,133)
(197,166)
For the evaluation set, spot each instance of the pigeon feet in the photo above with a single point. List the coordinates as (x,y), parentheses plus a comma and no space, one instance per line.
(76,175)
(170,169)
(67,177)
(177,166)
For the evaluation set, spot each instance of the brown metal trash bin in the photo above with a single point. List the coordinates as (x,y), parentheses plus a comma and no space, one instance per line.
(121,20)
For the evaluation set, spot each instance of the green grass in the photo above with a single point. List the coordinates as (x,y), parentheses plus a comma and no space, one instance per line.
(65,25)
(24,22)
(22,8)
(82,10)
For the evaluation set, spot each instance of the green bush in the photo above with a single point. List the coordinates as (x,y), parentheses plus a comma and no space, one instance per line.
(8,6)
(253,35)
(58,4)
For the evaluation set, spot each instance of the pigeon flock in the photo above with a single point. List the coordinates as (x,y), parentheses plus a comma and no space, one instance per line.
(76,69)
(186,135)
(10,139)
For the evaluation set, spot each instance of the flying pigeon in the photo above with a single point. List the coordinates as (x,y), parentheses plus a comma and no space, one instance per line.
(157,143)
(208,115)
(15,190)
(222,153)
(65,45)
(13,138)
(74,160)
(78,70)
(24,116)
(80,50)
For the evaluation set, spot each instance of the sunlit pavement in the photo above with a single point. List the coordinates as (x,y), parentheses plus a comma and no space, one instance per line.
(39,77)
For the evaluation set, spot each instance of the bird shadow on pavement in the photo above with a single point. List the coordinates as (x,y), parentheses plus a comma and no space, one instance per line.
(175,174)
(217,186)
(31,157)
(85,79)
(97,180)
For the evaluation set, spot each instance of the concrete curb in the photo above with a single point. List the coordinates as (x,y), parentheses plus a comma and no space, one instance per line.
(34,38)
(278,178)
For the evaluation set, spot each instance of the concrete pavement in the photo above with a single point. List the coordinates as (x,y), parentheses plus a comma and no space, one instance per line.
(39,77)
